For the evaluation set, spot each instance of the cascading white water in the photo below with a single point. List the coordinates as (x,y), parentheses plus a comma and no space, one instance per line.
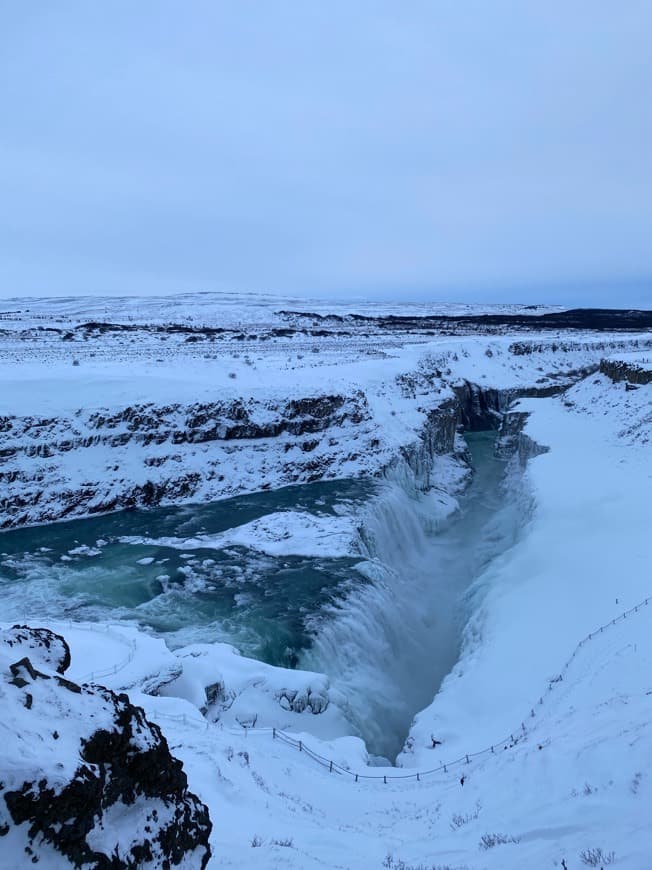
(390,643)
(386,632)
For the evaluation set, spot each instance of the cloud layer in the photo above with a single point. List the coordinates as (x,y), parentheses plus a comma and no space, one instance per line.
(428,148)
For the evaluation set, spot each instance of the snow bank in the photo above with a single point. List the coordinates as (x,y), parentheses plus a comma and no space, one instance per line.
(581,561)
(242,692)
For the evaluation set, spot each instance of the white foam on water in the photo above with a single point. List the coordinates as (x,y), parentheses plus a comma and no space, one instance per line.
(388,645)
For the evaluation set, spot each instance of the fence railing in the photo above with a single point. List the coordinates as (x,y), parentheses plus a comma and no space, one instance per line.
(509,742)
(516,737)
(92,676)
(184,719)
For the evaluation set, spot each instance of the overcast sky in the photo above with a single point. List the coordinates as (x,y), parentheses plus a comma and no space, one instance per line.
(491,151)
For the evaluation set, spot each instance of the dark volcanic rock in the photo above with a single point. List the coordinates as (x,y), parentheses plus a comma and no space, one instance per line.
(481,408)
(84,773)
(631,372)
(182,450)
(598,319)
(44,647)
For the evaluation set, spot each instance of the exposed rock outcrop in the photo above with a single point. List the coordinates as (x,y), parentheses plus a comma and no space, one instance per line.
(481,408)
(91,462)
(84,774)
(633,372)
(145,455)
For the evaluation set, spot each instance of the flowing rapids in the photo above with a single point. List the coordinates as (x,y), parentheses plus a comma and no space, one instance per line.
(381,613)
(167,570)
(391,642)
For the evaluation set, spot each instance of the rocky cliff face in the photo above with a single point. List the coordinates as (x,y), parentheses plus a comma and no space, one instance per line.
(634,372)
(141,456)
(437,437)
(145,455)
(473,408)
(481,408)
(84,775)
(512,440)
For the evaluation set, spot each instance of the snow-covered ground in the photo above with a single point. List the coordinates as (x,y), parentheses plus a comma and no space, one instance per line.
(223,309)
(642,359)
(570,781)
(145,410)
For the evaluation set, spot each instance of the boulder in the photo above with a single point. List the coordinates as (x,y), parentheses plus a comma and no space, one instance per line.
(83,773)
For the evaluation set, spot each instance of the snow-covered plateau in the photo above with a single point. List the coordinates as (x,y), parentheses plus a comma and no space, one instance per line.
(378,577)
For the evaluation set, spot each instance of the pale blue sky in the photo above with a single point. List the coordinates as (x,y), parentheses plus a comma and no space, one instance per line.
(478,150)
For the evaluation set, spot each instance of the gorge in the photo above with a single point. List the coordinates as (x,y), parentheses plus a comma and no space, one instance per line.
(367,547)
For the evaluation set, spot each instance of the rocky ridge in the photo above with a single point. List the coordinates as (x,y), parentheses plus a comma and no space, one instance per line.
(200,451)
(633,372)
(86,776)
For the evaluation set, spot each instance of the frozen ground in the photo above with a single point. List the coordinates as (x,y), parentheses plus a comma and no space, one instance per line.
(60,355)
(572,782)
(106,405)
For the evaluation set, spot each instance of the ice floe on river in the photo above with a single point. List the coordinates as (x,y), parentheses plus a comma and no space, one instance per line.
(284,533)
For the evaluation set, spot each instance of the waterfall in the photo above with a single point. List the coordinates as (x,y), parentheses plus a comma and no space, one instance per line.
(390,642)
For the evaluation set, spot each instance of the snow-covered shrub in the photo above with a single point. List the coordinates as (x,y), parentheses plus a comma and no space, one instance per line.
(392,863)
(488,841)
(458,820)
(597,858)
